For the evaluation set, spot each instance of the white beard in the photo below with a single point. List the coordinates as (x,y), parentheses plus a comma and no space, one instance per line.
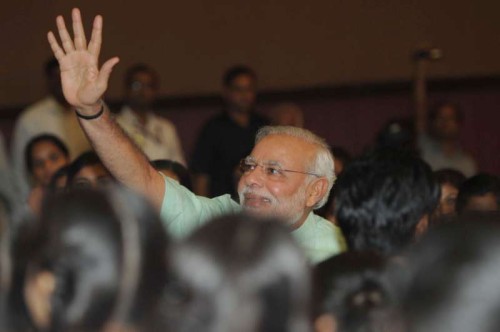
(290,211)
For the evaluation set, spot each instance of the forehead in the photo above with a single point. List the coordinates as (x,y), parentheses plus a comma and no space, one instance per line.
(287,150)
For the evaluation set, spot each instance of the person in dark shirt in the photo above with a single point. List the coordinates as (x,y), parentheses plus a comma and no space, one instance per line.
(228,137)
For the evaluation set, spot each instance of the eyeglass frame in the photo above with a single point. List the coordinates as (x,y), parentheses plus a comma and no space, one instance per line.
(244,162)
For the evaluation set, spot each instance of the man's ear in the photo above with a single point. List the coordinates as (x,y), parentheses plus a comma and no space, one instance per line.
(316,191)
(325,323)
(422,226)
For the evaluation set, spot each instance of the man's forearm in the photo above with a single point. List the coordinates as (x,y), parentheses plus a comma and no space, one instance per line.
(122,158)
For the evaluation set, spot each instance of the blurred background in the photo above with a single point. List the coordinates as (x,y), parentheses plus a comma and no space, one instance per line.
(347,64)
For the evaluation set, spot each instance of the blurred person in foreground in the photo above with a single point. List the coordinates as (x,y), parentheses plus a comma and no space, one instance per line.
(94,260)
(256,280)
(451,278)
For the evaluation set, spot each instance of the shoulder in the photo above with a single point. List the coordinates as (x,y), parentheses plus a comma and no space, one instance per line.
(39,109)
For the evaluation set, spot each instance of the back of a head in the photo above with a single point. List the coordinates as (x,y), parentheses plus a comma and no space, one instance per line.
(397,134)
(479,193)
(453,279)
(353,289)
(380,199)
(237,274)
(106,252)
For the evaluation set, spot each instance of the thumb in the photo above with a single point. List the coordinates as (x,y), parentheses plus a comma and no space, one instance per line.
(107,67)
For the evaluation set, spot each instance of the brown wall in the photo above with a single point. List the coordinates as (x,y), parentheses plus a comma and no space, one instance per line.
(291,43)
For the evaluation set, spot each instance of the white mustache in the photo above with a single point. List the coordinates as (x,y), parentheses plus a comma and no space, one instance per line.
(264,195)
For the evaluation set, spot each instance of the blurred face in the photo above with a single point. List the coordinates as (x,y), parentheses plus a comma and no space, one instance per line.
(267,192)
(448,199)
(446,125)
(141,93)
(47,158)
(240,95)
(92,176)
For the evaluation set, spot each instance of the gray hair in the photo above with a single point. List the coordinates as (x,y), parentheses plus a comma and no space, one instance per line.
(322,165)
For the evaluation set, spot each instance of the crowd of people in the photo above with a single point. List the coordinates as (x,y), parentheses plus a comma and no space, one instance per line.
(104,226)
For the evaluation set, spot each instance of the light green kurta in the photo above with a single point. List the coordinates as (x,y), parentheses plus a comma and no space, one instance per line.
(182,212)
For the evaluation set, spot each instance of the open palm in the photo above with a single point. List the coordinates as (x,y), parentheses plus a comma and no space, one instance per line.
(82,82)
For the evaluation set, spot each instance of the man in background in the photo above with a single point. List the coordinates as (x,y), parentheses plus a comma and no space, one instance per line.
(228,137)
(154,135)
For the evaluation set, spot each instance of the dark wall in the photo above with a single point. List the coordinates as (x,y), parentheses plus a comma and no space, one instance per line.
(291,43)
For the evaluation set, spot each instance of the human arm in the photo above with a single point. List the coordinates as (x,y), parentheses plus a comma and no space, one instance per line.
(84,85)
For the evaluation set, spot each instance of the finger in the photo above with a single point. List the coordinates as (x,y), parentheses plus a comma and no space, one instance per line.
(80,41)
(96,38)
(54,45)
(107,67)
(67,43)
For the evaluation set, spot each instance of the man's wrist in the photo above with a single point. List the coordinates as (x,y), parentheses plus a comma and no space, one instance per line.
(91,112)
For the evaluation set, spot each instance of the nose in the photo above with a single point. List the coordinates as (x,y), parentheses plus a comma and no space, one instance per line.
(254,177)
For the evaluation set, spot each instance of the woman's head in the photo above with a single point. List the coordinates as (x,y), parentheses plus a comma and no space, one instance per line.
(44,155)
(237,274)
(93,258)
(87,171)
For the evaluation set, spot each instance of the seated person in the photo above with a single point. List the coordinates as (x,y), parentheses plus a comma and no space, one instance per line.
(44,155)
(256,279)
(450,181)
(383,201)
(479,193)
(287,175)
(87,171)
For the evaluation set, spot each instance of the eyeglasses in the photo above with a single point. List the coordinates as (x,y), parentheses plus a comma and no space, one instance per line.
(271,169)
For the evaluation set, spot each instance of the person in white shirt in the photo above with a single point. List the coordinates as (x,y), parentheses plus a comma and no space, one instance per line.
(155,135)
(51,115)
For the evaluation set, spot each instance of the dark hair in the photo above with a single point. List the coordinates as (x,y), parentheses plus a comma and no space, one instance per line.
(341,154)
(452,279)
(85,159)
(232,73)
(434,111)
(28,151)
(255,278)
(478,185)
(353,288)
(60,173)
(106,250)
(50,65)
(450,176)
(177,168)
(141,68)
(381,197)
(397,134)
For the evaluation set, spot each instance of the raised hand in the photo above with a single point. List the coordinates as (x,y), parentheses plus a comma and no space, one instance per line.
(82,82)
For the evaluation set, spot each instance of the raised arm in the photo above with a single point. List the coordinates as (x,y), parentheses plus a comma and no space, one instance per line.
(83,85)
